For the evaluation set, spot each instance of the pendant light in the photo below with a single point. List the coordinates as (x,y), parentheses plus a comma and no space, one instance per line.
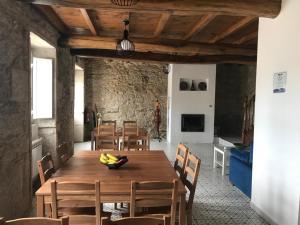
(125,45)
(124,2)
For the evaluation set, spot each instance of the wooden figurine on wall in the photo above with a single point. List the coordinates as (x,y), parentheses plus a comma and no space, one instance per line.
(157,119)
(248,120)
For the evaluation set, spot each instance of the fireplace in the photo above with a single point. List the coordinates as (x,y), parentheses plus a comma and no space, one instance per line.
(192,123)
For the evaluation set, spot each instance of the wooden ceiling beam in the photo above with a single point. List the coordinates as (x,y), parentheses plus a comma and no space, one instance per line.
(164,58)
(233,28)
(258,8)
(202,23)
(164,18)
(247,38)
(53,18)
(143,45)
(88,21)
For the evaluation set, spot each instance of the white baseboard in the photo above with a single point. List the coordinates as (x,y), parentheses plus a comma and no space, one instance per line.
(262,214)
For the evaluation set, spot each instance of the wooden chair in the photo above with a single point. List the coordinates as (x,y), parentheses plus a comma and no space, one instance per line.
(69,195)
(138,143)
(153,194)
(189,179)
(62,153)
(136,221)
(130,128)
(46,170)
(106,137)
(36,221)
(181,157)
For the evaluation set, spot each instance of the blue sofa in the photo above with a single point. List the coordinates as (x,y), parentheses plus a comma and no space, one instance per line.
(240,170)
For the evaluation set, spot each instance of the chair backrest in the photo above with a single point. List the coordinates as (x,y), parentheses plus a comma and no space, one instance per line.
(109,122)
(151,194)
(138,143)
(106,137)
(129,128)
(181,157)
(45,168)
(71,195)
(62,152)
(129,123)
(190,176)
(136,221)
(36,221)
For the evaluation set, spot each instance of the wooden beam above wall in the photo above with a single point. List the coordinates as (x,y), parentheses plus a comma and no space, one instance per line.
(164,18)
(143,45)
(246,38)
(202,23)
(233,28)
(88,21)
(256,8)
(164,58)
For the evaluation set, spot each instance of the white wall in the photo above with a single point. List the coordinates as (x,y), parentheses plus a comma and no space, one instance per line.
(78,105)
(276,168)
(191,102)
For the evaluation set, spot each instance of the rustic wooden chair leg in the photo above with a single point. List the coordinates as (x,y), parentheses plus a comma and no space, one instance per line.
(189,217)
(48,210)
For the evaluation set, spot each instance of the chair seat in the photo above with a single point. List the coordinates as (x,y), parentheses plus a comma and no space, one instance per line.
(149,213)
(79,211)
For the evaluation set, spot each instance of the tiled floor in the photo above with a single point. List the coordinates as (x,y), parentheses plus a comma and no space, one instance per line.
(216,200)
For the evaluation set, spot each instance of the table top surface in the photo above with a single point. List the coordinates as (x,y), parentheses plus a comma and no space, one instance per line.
(141,166)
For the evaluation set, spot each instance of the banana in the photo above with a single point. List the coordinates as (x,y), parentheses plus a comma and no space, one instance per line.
(103,160)
(104,156)
(111,161)
(110,156)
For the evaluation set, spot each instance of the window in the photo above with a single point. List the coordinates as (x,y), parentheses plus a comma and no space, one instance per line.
(42,88)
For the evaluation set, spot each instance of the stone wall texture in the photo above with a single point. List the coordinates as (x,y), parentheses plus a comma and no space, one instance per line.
(16,21)
(65,99)
(233,83)
(126,91)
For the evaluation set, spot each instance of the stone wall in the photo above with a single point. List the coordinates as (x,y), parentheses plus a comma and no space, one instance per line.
(126,91)
(233,83)
(16,21)
(65,99)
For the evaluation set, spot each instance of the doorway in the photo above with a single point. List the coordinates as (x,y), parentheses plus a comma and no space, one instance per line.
(78,104)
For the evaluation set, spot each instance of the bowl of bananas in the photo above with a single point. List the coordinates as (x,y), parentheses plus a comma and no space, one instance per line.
(111,161)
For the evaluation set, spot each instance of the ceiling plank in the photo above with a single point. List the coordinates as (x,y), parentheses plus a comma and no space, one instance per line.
(143,45)
(164,58)
(88,21)
(261,8)
(246,38)
(164,18)
(53,18)
(202,23)
(233,28)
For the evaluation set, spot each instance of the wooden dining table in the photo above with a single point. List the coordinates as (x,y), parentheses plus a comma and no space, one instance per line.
(115,184)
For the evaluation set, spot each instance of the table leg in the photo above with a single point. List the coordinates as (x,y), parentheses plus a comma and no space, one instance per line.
(215,155)
(182,210)
(92,140)
(223,164)
(226,160)
(40,210)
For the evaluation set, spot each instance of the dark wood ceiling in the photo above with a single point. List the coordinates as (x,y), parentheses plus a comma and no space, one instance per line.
(230,33)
